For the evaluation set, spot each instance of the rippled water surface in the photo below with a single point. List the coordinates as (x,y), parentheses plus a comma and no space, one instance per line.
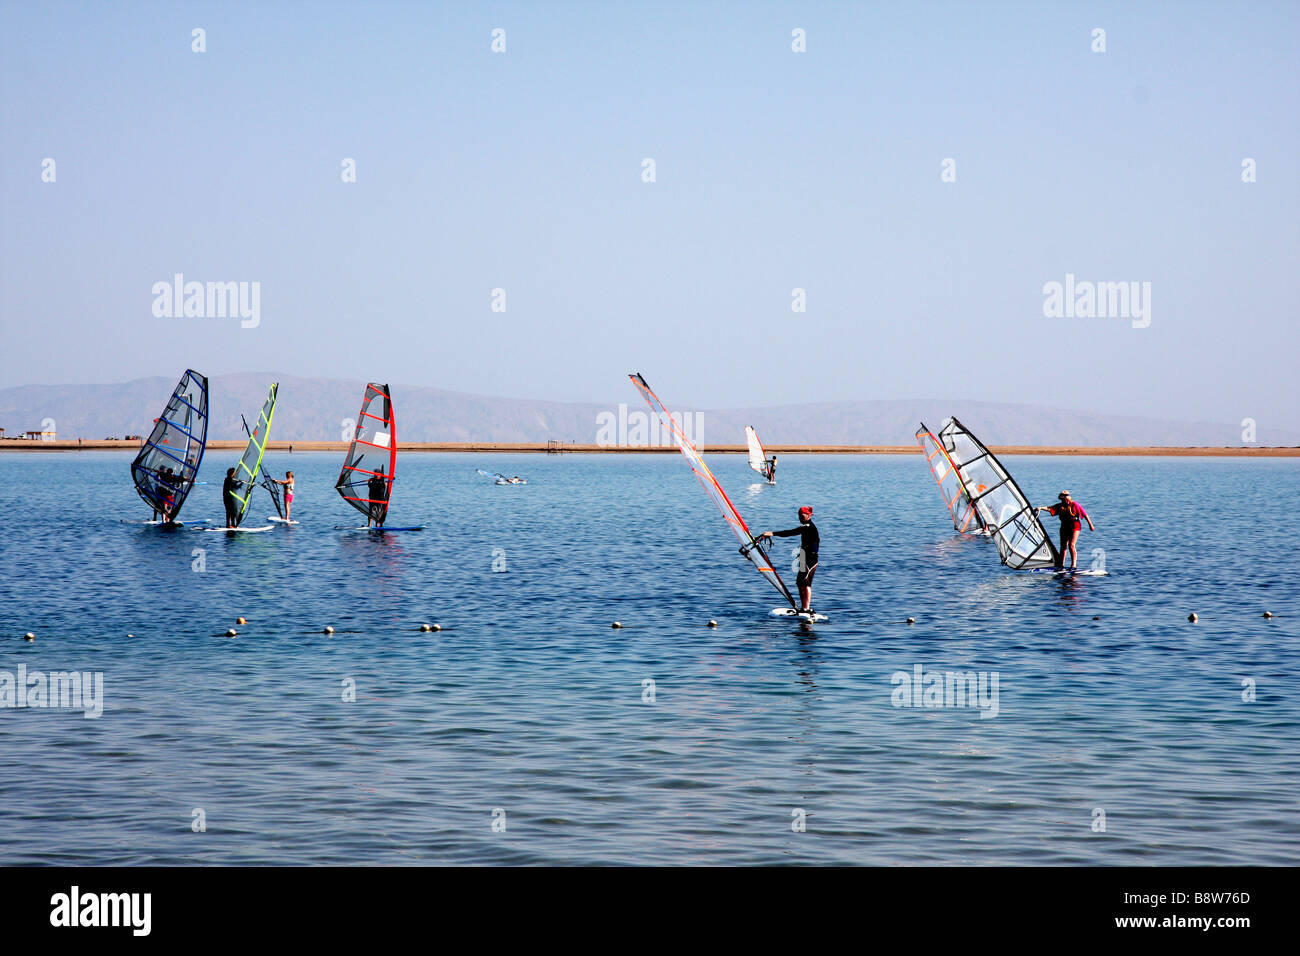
(529,706)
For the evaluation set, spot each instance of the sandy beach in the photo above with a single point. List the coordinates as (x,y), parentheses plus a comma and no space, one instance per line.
(542,448)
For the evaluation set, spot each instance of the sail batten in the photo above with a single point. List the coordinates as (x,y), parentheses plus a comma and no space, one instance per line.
(181,427)
(750,547)
(977,487)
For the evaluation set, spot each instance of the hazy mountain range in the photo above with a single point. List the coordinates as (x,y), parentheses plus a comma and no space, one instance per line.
(316,408)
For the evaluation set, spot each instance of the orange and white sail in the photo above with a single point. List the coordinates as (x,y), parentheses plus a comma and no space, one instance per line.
(750,547)
(977,488)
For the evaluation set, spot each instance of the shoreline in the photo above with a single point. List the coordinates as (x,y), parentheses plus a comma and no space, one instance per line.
(1148,451)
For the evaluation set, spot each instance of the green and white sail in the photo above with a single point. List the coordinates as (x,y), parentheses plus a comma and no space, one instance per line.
(250,464)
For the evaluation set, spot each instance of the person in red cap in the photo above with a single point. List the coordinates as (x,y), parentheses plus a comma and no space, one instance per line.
(809,542)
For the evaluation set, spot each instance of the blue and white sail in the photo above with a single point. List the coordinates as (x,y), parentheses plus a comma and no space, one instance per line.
(164,471)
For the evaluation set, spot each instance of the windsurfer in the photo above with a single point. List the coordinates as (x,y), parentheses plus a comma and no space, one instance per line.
(287,481)
(809,545)
(229,493)
(1069,512)
(771,470)
(378,490)
(170,482)
(162,495)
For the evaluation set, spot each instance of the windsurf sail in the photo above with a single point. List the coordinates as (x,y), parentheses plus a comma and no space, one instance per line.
(750,547)
(372,456)
(757,458)
(501,479)
(274,489)
(165,467)
(1023,542)
(250,462)
(965,516)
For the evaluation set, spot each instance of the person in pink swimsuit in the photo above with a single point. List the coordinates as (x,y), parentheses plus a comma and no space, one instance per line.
(287,481)
(1072,516)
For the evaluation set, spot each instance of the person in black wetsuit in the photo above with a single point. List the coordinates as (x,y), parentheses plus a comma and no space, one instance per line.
(809,545)
(771,470)
(229,488)
(378,490)
(162,493)
(168,484)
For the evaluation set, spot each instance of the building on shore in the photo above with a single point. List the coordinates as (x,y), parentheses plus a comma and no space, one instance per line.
(37,434)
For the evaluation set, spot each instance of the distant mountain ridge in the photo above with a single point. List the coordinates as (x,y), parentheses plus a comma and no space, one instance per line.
(315,409)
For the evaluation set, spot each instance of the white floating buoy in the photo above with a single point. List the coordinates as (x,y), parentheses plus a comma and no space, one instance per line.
(425,627)
(231,633)
(617,624)
(713,623)
(911,620)
(328,630)
(1268,613)
(240,620)
(1192,617)
(435,627)
(29,636)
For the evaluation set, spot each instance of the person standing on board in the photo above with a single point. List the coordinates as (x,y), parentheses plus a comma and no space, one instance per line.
(809,544)
(771,470)
(159,496)
(229,489)
(378,499)
(287,481)
(1069,511)
(167,482)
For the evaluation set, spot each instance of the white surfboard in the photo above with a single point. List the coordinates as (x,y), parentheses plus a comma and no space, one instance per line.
(814,617)
(245,530)
(377,529)
(176,524)
(280,520)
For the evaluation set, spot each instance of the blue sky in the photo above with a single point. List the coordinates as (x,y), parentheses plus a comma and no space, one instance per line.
(774,171)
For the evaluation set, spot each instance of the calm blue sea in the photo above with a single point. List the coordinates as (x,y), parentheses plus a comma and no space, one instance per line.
(1121,734)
